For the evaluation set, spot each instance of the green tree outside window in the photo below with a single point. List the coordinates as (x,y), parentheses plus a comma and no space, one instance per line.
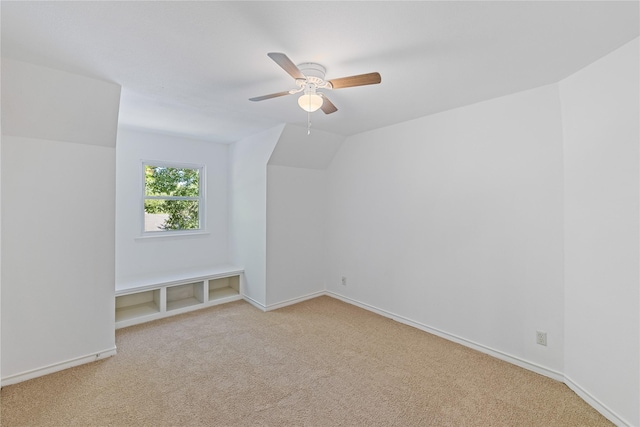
(172,198)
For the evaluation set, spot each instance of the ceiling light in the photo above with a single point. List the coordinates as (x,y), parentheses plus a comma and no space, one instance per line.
(310,102)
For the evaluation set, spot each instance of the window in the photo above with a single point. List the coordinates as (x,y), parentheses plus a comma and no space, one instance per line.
(173,197)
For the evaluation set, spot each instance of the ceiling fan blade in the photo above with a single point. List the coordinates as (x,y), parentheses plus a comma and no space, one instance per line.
(273,95)
(283,61)
(327,106)
(359,80)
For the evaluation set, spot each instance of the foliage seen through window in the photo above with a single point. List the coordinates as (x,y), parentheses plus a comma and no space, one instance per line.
(172,198)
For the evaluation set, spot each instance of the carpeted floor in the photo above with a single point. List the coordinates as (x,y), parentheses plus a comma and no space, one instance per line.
(318,363)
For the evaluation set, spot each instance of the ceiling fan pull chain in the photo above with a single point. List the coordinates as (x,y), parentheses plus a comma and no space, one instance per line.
(308,123)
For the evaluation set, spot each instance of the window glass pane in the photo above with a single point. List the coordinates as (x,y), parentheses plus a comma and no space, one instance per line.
(162,215)
(167,181)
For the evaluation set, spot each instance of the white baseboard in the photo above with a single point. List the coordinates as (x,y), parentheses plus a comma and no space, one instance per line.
(255,303)
(294,300)
(459,340)
(24,376)
(596,404)
(281,304)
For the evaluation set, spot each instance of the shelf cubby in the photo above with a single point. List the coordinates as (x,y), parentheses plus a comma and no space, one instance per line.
(182,296)
(223,287)
(138,304)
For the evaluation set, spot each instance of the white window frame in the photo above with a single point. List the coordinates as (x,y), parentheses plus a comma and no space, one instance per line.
(202,198)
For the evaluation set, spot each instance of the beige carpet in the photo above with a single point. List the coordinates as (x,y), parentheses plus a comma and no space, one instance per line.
(318,363)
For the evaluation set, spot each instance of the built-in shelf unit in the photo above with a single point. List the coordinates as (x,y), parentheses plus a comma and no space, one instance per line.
(151,298)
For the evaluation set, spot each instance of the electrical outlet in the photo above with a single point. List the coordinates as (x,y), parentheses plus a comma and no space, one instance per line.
(541,338)
(344,281)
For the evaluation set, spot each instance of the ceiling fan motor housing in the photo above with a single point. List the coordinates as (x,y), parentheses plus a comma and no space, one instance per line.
(315,75)
(311,69)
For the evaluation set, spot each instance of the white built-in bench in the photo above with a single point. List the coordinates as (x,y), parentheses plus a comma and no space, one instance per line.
(150,298)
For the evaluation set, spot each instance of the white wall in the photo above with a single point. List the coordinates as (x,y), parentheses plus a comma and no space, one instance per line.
(454,222)
(1,133)
(43,103)
(58,203)
(296,214)
(298,149)
(138,257)
(248,209)
(602,286)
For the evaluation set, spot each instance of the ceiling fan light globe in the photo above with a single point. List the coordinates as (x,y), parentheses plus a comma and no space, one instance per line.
(310,102)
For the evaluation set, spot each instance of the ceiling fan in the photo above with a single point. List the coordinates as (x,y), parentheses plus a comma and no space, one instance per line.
(309,77)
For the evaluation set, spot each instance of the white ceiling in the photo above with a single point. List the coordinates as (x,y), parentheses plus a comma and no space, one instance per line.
(188,68)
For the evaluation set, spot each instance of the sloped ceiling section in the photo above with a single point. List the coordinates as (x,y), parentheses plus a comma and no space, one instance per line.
(190,67)
(298,149)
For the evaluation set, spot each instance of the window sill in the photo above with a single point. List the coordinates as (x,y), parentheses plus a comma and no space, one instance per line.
(170,235)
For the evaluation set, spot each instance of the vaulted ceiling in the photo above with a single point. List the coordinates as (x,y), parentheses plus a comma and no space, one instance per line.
(188,68)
